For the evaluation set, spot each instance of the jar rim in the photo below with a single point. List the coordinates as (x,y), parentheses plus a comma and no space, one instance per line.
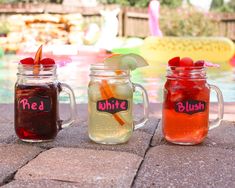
(43,70)
(102,66)
(192,72)
(188,67)
(39,65)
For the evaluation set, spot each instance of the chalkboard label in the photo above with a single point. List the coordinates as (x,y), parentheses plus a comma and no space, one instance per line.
(112,105)
(190,106)
(35,104)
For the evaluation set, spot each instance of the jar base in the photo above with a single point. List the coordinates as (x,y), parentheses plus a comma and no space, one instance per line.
(183,143)
(110,141)
(36,141)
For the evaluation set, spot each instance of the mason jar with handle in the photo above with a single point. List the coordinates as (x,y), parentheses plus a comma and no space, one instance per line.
(186,105)
(110,105)
(37,103)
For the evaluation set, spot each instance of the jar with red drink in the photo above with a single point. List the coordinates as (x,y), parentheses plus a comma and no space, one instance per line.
(185,114)
(37,101)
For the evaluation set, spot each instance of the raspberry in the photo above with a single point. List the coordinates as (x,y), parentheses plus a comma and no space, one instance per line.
(27,61)
(47,61)
(186,62)
(199,63)
(174,61)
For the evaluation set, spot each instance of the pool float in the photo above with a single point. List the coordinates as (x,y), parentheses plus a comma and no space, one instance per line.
(154,12)
(158,48)
(232,61)
(161,49)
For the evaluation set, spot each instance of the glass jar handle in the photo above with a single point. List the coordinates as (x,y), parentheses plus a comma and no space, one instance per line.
(140,123)
(73,112)
(215,123)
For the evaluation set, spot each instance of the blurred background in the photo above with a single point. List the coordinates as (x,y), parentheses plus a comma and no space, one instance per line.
(80,32)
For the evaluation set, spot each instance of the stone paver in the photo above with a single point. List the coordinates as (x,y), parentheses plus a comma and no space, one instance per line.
(187,166)
(158,136)
(77,136)
(12,157)
(43,184)
(7,113)
(98,168)
(7,134)
(75,161)
(6,119)
(222,136)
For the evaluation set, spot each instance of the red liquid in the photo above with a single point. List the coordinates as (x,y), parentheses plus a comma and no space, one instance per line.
(36,112)
(184,122)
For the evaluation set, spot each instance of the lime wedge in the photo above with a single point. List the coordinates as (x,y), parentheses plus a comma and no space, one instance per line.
(126,61)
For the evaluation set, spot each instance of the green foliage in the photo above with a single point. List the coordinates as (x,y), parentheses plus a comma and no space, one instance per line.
(231,4)
(137,3)
(220,6)
(8,1)
(217,4)
(31,1)
(171,3)
(4,27)
(142,3)
(186,22)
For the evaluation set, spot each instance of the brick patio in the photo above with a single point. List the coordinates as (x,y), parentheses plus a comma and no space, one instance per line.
(72,160)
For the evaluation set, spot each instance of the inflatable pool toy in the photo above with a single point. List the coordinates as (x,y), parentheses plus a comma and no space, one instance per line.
(129,45)
(232,61)
(154,12)
(161,49)
(64,54)
(134,50)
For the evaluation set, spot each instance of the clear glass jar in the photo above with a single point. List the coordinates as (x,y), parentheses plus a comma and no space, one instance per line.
(185,113)
(37,104)
(110,105)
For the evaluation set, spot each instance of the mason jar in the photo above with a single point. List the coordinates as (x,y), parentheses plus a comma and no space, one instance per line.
(37,103)
(185,111)
(110,105)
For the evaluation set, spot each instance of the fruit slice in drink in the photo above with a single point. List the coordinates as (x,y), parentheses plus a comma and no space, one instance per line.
(127,61)
(37,60)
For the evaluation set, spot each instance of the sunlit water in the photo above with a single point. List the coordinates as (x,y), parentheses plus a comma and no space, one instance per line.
(76,74)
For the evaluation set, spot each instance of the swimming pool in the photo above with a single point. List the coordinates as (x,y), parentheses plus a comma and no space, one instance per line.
(76,74)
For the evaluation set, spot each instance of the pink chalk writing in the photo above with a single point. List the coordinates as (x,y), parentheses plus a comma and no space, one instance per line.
(112,105)
(190,106)
(35,104)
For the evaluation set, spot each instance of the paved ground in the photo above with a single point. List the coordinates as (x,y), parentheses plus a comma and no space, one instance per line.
(72,160)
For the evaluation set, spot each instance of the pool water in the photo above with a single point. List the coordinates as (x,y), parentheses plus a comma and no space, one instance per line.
(76,74)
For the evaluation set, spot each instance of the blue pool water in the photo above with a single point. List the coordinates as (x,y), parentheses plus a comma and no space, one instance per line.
(76,74)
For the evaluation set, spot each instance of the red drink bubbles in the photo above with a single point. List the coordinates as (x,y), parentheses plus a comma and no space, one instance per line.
(36,114)
(36,100)
(186,102)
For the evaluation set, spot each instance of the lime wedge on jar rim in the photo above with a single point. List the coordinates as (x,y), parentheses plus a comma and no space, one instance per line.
(126,61)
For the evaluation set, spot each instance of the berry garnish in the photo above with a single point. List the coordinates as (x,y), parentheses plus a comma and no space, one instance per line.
(47,61)
(199,63)
(27,61)
(174,61)
(186,62)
